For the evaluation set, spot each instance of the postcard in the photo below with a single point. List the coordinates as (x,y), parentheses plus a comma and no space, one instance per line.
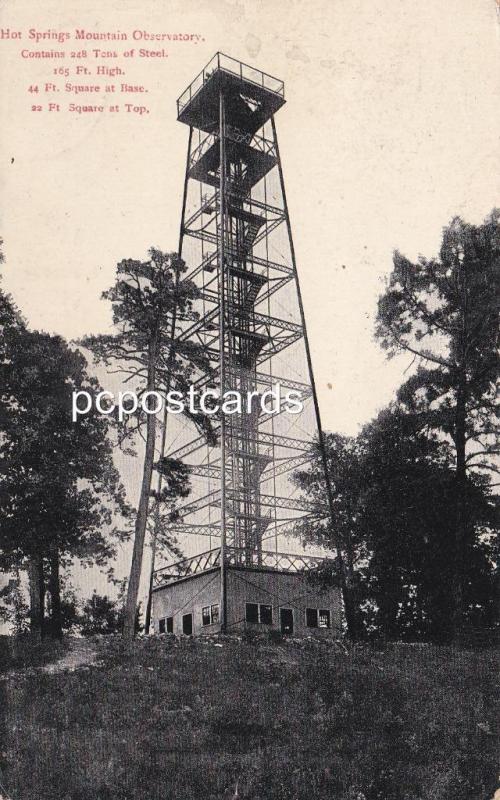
(249,361)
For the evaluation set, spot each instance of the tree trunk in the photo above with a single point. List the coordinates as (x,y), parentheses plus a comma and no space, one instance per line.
(142,511)
(55,595)
(37,596)
(354,622)
(350,609)
(149,605)
(461,510)
(389,603)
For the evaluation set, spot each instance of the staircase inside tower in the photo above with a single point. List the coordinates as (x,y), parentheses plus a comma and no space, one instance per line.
(246,461)
(254,162)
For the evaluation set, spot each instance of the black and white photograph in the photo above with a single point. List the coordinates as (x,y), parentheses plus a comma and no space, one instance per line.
(249,417)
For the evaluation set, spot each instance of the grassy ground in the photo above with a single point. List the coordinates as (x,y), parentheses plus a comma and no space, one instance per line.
(22,653)
(205,720)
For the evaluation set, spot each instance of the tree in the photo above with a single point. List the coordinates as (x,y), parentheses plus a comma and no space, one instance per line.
(344,467)
(147,298)
(445,312)
(11,321)
(173,483)
(394,498)
(13,608)
(406,516)
(59,490)
(102,616)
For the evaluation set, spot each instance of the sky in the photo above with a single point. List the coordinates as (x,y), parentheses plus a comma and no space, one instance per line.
(390,129)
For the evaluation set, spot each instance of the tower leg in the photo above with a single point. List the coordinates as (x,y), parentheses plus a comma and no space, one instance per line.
(346,590)
(222,360)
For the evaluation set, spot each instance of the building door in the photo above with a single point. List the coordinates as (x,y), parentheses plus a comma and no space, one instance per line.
(286,620)
(187,624)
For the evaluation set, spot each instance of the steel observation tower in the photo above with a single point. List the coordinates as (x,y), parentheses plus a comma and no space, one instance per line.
(236,237)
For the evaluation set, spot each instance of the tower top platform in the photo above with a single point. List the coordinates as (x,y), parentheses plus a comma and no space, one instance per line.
(255,96)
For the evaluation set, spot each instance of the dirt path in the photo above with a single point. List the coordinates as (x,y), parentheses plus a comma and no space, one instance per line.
(81,653)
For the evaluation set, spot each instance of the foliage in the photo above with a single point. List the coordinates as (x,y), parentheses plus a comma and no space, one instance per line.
(102,615)
(407,514)
(58,484)
(144,298)
(346,477)
(70,614)
(175,485)
(60,494)
(394,499)
(13,608)
(415,507)
(347,482)
(256,721)
(148,298)
(445,312)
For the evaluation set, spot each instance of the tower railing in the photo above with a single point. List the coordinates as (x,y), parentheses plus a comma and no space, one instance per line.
(227,64)
(235,557)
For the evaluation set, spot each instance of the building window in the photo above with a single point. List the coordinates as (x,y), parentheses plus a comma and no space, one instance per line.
(312,617)
(166,625)
(252,612)
(210,614)
(205,615)
(324,618)
(259,613)
(317,618)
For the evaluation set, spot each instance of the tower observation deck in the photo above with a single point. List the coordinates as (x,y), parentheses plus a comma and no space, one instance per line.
(236,237)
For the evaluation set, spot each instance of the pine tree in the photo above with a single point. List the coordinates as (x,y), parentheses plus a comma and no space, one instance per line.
(446,312)
(147,299)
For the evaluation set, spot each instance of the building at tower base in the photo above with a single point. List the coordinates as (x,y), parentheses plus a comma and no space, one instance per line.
(279,594)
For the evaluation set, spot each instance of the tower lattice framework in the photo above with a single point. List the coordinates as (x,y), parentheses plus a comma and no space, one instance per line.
(236,235)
